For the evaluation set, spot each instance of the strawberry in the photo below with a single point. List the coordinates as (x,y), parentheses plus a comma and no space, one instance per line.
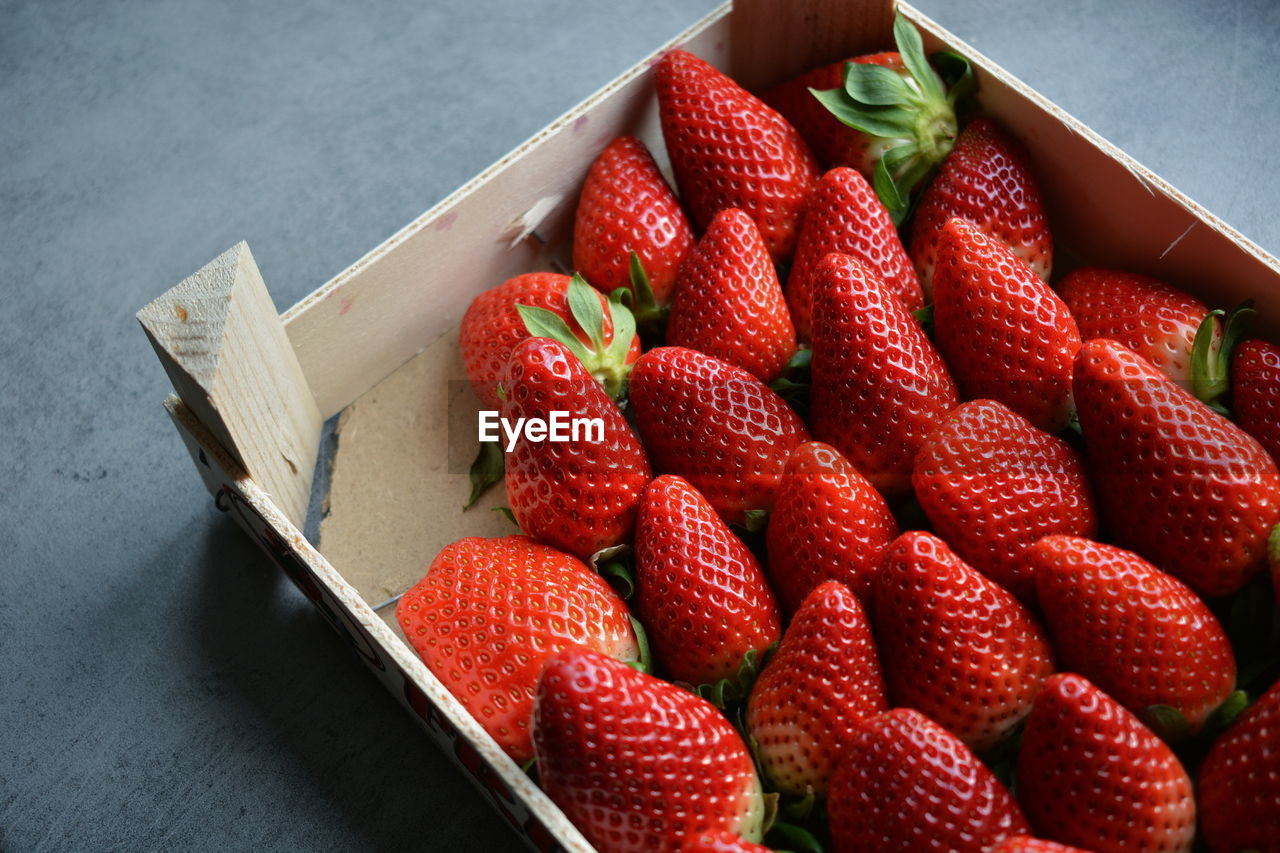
(844,215)
(637,764)
(1140,635)
(835,143)
(1178,483)
(1092,776)
(492,327)
(828,523)
(879,387)
(728,149)
(699,590)
(715,425)
(955,645)
(1027,844)
(728,302)
(1240,782)
(907,784)
(1004,333)
(991,484)
(626,206)
(579,495)
(1255,392)
(721,842)
(902,114)
(1156,321)
(488,614)
(986,179)
(823,678)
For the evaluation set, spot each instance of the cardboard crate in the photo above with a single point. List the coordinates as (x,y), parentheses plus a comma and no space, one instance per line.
(376,347)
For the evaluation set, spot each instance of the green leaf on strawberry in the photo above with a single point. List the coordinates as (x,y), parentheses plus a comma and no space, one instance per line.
(1211,354)
(911,115)
(606,362)
(486,469)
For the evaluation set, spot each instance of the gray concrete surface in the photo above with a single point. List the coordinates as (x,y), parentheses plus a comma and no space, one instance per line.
(161,687)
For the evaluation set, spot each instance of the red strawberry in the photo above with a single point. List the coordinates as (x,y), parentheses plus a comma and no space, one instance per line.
(824,677)
(1004,333)
(1139,634)
(987,180)
(728,302)
(715,425)
(626,206)
(1177,482)
(637,764)
(835,143)
(907,784)
(1091,775)
(828,523)
(991,484)
(488,614)
(492,327)
(579,495)
(721,842)
(955,645)
(1255,392)
(899,102)
(844,215)
(1240,782)
(1027,844)
(878,387)
(699,590)
(728,149)
(1156,321)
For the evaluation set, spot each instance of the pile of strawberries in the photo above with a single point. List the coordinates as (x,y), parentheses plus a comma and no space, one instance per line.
(922,552)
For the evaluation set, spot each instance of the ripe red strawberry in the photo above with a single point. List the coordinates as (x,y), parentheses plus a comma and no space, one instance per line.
(728,149)
(823,678)
(844,215)
(699,590)
(1092,776)
(721,842)
(492,327)
(1156,321)
(715,425)
(954,645)
(728,302)
(835,143)
(828,523)
(1240,782)
(579,495)
(1004,333)
(626,206)
(1177,482)
(1255,392)
(1027,844)
(488,614)
(907,784)
(637,764)
(879,387)
(991,484)
(1140,635)
(986,179)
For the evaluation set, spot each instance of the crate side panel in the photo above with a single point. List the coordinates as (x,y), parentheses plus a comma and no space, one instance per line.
(403,295)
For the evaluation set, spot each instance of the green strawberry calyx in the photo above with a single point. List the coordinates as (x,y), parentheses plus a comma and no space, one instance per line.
(639,299)
(910,117)
(606,362)
(1211,353)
